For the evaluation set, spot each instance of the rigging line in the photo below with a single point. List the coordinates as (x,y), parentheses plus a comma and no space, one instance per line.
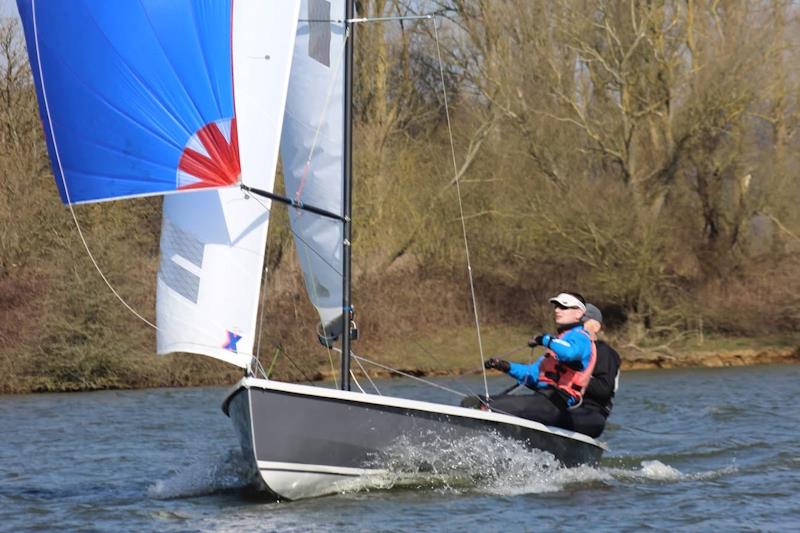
(461,208)
(387,19)
(364,370)
(272,364)
(64,181)
(263,312)
(318,254)
(405,374)
(513,351)
(453,378)
(257,367)
(313,285)
(369,19)
(352,375)
(298,236)
(302,373)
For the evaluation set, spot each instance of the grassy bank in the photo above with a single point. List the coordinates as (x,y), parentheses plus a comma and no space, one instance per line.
(455,352)
(445,352)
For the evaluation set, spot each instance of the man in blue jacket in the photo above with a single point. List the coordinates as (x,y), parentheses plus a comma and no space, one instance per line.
(572,354)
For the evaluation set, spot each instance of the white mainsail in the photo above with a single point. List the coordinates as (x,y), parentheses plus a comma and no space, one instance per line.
(312,151)
(213,242)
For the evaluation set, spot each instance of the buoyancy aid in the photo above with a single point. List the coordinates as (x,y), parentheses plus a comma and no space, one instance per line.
(564,377)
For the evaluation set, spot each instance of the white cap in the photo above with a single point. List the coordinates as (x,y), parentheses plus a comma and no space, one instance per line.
(568,300)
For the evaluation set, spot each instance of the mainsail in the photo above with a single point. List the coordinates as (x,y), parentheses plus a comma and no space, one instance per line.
(312,151)
(143,97)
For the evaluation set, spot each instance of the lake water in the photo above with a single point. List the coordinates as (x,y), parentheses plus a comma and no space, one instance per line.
(690,449)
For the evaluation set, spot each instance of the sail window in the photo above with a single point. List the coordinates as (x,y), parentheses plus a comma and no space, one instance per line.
(185,254)
(319,41)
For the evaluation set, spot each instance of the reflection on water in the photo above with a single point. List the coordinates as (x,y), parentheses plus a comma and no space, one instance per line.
(688,449)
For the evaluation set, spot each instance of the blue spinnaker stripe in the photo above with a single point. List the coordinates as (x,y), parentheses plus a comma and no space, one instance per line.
(123,85)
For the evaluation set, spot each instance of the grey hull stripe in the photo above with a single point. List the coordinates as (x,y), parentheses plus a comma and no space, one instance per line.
(304,471)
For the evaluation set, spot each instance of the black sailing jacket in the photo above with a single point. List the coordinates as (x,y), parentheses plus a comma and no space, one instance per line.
(600,392)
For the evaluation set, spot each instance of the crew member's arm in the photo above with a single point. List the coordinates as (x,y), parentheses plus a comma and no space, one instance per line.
(527,375)
(572,347)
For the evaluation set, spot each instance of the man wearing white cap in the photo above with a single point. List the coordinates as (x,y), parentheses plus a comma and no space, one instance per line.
(561,376)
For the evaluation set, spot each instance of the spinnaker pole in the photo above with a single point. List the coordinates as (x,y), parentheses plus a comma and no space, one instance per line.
(347,192)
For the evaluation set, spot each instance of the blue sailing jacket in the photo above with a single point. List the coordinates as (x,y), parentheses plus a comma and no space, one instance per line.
(574,346)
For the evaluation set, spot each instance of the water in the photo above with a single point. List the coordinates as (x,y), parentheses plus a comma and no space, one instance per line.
(690,449)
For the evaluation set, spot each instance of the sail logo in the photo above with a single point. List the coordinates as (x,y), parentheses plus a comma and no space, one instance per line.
(230,343)
(211,157)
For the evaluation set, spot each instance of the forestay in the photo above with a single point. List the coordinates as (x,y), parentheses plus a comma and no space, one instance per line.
(312,151)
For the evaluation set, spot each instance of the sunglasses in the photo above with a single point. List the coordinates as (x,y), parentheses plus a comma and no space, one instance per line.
(560,306)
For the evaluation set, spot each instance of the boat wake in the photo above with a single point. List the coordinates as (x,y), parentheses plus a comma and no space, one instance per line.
(496,465)
(229,473)
(486,464)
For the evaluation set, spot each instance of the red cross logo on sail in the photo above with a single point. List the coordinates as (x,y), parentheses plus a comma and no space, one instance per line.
(211,157)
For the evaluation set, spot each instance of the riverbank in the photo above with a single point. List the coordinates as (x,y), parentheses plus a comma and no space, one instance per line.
(450,348)
(446,352)
(635,360)
(712,359)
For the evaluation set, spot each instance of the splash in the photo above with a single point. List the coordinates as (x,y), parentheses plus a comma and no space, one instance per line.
(651,470)
(230,472)
(485,463)
(654,470)
(488,464)
(493,464)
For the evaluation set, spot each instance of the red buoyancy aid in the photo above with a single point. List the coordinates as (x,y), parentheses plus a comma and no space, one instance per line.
(565,378)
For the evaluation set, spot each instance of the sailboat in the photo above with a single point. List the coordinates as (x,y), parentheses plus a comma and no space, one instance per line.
(194,100)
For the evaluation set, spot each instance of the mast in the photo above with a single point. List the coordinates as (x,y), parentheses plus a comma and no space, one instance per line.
(347,192)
